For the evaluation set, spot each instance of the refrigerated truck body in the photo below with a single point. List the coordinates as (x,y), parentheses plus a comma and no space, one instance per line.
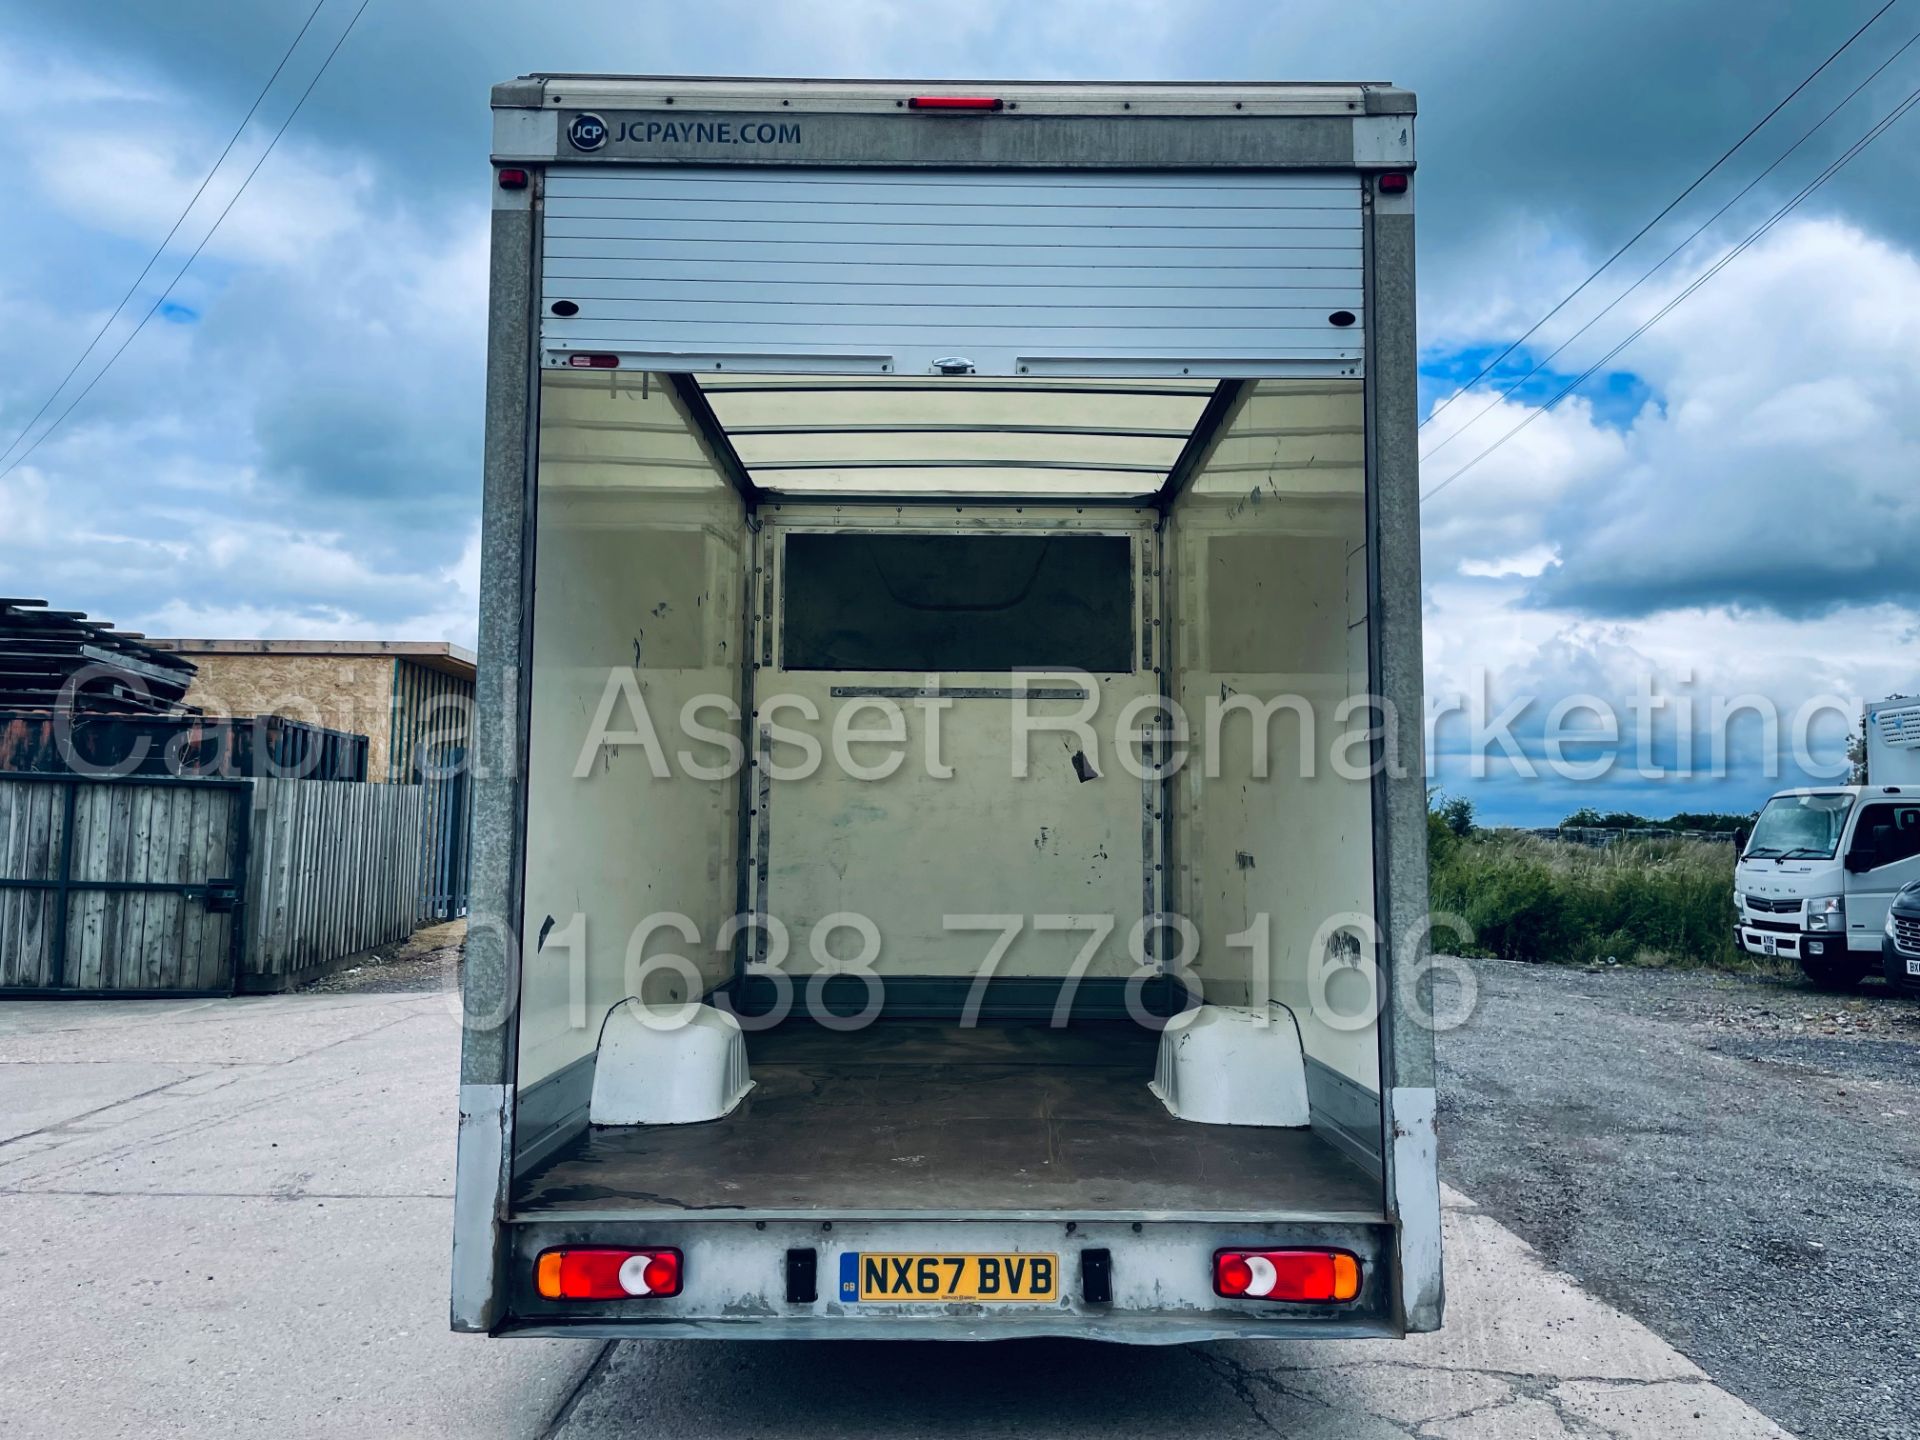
(919,426)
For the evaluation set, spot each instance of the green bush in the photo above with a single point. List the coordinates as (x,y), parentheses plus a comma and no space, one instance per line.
(1646,902)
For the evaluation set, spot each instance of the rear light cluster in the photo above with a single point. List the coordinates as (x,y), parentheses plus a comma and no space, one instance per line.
(605,1274)
(1298,1275)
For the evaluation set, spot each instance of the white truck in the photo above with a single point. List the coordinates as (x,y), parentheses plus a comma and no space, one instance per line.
(861,947)
(1816,879)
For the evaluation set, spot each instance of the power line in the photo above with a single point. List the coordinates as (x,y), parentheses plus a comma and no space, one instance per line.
(1494,363)
(1861,144)
(1662,263)
(161,299)
(154,259)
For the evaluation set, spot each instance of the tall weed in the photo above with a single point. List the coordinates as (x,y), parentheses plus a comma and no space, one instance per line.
(1645,902)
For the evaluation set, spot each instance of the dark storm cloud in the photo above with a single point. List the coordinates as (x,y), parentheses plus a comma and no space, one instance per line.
(1815,577)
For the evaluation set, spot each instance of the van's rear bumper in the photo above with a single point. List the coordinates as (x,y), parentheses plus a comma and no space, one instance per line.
(1161,1280)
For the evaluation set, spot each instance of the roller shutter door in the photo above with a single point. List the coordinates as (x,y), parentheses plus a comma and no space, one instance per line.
(912,272)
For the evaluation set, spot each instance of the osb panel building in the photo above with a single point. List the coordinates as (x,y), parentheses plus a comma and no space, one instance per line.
(413,700)
(407,697)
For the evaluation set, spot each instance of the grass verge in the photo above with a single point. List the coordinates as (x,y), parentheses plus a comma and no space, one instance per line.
(1656,902)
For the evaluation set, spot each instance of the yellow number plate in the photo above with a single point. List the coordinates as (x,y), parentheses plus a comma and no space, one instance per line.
(872,1276)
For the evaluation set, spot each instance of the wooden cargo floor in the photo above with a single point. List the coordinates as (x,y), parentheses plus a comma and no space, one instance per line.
(909,1116)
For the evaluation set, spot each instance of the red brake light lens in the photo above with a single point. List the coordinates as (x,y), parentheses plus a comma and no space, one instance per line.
(1297,1275)
(604,1274)
(1393,183)
(513,179)
(594,362)
(956,102)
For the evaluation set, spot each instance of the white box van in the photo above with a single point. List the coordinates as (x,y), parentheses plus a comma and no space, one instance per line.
(860,946)
(1818,875)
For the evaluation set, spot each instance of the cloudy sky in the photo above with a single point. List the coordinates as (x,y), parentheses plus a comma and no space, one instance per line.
(290,447)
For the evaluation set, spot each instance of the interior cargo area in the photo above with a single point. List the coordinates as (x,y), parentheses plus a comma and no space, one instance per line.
(850,718)
(912,1115)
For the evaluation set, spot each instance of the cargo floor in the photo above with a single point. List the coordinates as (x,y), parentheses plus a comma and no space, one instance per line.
(907,1116)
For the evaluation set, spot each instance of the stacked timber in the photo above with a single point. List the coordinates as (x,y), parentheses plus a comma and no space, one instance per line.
(59,659)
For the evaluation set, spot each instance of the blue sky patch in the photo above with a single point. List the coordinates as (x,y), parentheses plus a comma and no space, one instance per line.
(1617,396)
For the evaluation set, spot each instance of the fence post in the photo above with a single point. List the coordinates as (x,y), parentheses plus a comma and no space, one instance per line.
(57,957)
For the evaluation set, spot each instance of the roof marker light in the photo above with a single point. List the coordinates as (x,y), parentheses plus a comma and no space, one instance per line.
(594,362)
(956,102)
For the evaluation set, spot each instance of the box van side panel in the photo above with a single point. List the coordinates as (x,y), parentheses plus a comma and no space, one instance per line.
(1273,834)
(635,668)
(1400,802)
(490,979)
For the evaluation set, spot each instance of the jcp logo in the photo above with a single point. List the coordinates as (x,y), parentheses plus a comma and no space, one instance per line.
(587,132)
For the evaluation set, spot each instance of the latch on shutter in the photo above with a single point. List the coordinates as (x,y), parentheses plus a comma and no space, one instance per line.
(221,897)
(954,365)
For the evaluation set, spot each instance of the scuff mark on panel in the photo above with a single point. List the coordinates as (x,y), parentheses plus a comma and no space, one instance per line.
(1243,859)
(1083,767)
(546,929)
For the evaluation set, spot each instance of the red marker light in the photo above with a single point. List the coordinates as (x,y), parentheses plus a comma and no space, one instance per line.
(513,179)
(1394,182)
(956,102)
(604,1274)
(1296,1275)
(594,362)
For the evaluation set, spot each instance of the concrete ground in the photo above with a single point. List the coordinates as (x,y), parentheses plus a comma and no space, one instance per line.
(231,1218)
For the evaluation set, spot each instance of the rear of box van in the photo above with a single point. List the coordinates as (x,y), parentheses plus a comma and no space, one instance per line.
(949,847)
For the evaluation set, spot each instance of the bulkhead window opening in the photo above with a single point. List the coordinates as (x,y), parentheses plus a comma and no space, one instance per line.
(944,603)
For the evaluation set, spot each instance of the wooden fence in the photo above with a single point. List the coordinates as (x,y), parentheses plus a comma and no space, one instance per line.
(119,886)
(334,870)
(129,886)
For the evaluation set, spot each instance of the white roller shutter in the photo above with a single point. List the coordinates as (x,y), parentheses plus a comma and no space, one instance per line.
(1039,273)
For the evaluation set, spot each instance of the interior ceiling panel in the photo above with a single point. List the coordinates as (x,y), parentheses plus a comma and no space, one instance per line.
(896,436)
(890,436)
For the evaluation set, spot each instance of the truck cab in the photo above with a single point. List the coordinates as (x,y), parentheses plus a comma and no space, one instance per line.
(1818,874)
(1817,878)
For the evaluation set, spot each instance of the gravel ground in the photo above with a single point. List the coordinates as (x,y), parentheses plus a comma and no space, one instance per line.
(1735,1162)
(428,960)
